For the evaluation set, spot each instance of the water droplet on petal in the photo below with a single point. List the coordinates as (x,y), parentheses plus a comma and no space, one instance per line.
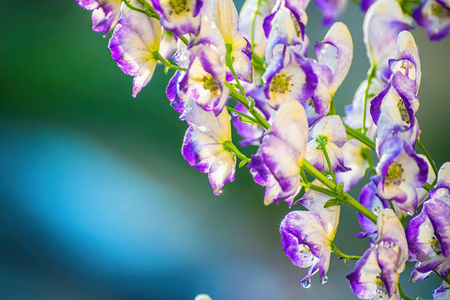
(409,213)
(324,280)
(306,284)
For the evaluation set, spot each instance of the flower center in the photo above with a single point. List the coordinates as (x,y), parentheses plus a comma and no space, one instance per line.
(395,172)
(280,83)
(178,6)
(210,84)
(435,245)
(403,112)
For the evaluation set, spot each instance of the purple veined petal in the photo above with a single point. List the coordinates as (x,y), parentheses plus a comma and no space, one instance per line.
(331,9)
(417,276)
(391,123)
(383,22)
(434,16)
(168,45)
(203,144)
(401,171)
(316,157)
(408,60)
(298,7)
(364,278)
(389,267)
(423,194)
(314,201)
(246,23)
(303,231)
(134,40)
(284,31)
(438,212)
(252,133)
(209,36)
(294,81)
(175,96)
(179,17)
(336,52)
(105,13)
(442,292)
(370,200)
(355,161)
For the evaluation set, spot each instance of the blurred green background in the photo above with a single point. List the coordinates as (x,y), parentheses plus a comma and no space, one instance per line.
(97,201)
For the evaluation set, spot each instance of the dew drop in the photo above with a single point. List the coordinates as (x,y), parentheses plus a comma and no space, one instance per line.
(306,284)
(409,213)
(324,280)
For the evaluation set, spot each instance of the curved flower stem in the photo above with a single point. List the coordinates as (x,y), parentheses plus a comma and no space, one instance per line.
(343,196)
(240,98)
(322,140)
(165,62)
(229,146)
(229,63)
(342,255)
(370,76)
(322,190)
(427,154)
(402,295)
(252,40)
(360,136)
(253,120)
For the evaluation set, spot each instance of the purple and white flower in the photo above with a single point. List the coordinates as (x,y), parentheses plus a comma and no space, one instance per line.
(435,17)
(225,15)
(377,272)
(204,145)
(135,40)
(331,9)
(180,16)
(286,68)
(443,292)
(105,13)
(428,237)
(383,22)
(332,130)
(402,171)
(277,163)
(204,79)
(356,160)
(306,236)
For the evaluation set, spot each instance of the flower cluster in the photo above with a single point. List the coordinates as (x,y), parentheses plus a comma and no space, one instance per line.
(252,69)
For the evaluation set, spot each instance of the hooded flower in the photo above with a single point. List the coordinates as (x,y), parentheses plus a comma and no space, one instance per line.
(332,131)
(204,145)
(135,40)
(377,272)
(428,233)
(277,163)
(435,17)
(105,13)
(225,15)
(306,236)
(204,79)
(286,68)
(402,171)
(179,16)
(383,22)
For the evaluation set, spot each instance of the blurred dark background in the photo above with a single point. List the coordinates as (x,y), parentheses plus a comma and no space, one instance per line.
(97,201)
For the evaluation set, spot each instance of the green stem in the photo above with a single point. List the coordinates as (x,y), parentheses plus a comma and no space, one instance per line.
(253,120)
(323,190)
(402,295)
(360,136)
(240,98)
(427,154)
(258,4)
(332,108)
(229,146)
(165,62)
(323,142)
(342,255)
(446,279)
(370,76)
(229,63)
(346,198)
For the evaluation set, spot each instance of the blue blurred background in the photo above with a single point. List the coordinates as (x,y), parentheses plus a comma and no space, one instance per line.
(97,201)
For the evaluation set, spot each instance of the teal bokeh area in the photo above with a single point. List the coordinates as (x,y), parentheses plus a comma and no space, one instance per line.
(97,201)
